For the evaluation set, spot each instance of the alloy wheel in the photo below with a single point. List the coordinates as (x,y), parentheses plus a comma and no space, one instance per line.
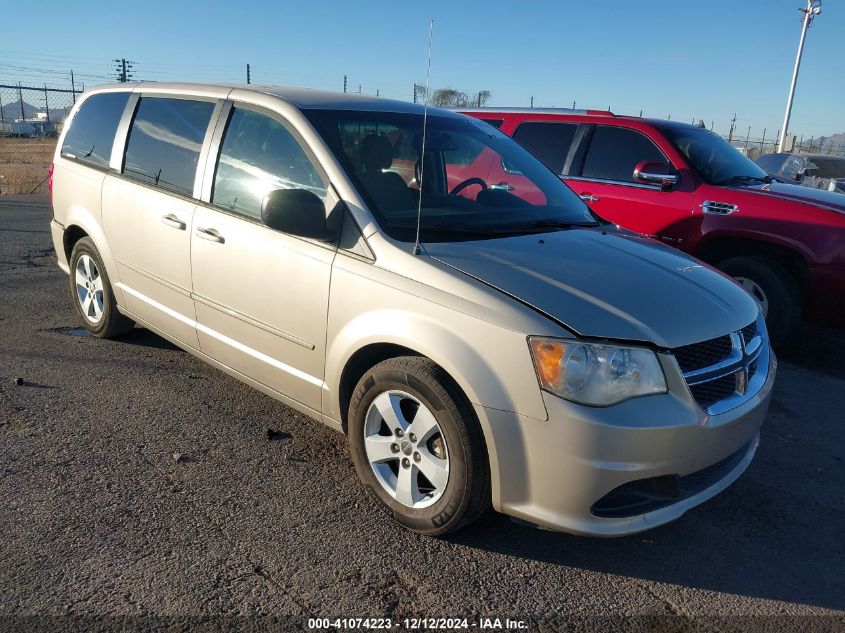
(753,288)
(406,449)
(89,288)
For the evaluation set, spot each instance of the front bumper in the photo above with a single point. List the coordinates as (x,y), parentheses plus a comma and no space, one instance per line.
(553,473)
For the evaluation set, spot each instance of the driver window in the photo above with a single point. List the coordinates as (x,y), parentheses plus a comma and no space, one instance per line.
(259,155)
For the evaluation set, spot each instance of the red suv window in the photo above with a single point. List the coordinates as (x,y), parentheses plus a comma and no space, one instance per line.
(547,140)
(615,151)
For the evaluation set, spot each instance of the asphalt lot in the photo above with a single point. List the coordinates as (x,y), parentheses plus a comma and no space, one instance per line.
(138,483)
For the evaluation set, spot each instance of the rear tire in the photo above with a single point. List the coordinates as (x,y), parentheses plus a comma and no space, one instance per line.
(92,294)
(780,292)
(405,388)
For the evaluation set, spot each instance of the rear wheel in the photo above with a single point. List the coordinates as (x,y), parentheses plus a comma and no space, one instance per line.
(92,294)
(417,446)
(773,288)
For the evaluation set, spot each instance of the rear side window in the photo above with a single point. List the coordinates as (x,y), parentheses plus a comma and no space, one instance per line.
(615,151)
(165,141)
(91,134)
(496,123)
(548,141)
(260,155)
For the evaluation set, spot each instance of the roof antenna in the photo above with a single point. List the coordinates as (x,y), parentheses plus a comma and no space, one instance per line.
(417,248)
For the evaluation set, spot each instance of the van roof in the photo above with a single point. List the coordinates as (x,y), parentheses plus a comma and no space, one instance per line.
(304,98)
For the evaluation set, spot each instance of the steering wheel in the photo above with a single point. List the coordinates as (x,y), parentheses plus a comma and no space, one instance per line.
(468,183)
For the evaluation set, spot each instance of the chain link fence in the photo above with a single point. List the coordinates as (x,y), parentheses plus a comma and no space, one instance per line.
(31,119)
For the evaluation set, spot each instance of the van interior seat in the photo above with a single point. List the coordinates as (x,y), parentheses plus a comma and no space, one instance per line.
(386,188)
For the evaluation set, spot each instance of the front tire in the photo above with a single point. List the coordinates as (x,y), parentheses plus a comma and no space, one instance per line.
(774,289)
(92,294)
(417,446)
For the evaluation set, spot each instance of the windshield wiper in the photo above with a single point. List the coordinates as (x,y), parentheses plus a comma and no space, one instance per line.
(733,179)
(547,224)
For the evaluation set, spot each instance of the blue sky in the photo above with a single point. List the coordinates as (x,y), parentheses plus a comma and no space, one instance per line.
(702,60)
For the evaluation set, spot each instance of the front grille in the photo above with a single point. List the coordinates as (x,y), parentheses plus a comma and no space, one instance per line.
(712,368)
(647,495)
(700,355)
(709,393)
(749,332)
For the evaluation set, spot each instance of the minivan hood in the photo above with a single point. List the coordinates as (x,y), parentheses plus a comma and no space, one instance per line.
(607,283)
(830,200)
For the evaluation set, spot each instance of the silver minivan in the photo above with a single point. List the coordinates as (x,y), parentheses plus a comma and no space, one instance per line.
(478,342)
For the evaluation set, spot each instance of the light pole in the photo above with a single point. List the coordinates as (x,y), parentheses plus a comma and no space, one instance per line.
(814,7)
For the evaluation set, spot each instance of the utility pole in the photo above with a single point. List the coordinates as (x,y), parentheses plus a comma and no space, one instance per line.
(46,103)
(532,102)
(763,141)
(747,136)
(2,118)
(248,76)
(20,98)
(123,69)
(814,7)
(344,83)
(731,131)
(72,87)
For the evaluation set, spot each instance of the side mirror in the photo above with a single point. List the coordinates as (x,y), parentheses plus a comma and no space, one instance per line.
(296,212)
(654,173)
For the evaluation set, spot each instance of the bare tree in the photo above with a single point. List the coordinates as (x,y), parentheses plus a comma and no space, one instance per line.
(452,98)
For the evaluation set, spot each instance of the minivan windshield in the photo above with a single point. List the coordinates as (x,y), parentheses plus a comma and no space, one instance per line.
(716,161)
(466,194)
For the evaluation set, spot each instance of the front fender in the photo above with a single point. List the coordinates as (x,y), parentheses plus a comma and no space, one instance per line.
(472,368)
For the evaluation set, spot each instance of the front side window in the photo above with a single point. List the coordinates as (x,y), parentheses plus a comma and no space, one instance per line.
(615,151)
(260,155)
(716,161)
(91,134)
(548,141)
(382,153)
(165,141)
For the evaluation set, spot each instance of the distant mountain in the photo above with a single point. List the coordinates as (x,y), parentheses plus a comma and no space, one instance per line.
(836,142)
(12,111)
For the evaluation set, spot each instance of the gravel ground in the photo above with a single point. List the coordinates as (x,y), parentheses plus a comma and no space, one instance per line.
(140,489)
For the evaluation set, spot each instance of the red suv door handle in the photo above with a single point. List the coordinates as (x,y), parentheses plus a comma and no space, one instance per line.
(588,197)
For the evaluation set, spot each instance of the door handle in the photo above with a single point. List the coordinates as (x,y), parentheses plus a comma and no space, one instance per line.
(171,220)
(588,197)
(212,235)
(502,186)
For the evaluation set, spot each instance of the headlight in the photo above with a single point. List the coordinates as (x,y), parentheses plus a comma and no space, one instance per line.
(593,374)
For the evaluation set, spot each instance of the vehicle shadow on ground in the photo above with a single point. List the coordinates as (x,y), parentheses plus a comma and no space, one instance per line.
(142,337)
(818,348)
(683,553)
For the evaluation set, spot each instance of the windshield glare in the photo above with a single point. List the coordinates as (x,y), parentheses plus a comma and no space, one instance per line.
(717,161)
(466,193)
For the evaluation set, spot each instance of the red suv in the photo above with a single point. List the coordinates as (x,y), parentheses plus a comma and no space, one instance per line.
(689,188)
